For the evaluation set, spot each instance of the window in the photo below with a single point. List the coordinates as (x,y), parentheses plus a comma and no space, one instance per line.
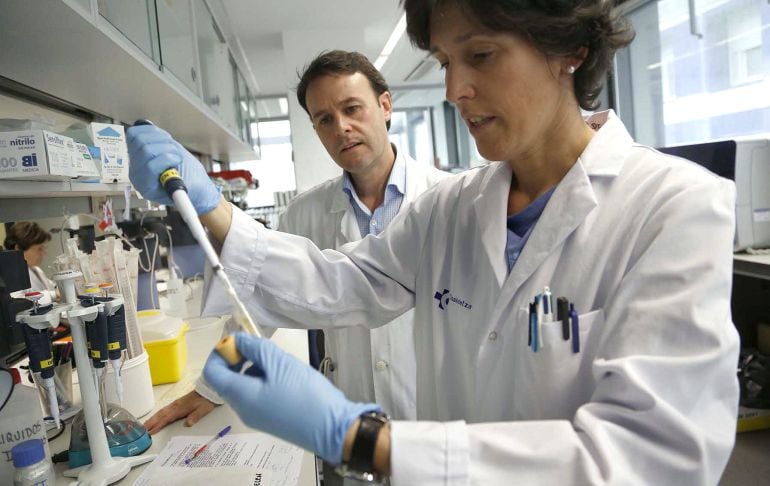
(272,132)
(677,84)
(411,130)
(274,138)
(274,170)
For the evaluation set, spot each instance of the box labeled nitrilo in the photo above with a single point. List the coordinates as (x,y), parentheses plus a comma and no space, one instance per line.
(35,155)
(111,140)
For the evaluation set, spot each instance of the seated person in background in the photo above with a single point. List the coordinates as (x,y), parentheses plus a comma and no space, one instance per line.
(29,237)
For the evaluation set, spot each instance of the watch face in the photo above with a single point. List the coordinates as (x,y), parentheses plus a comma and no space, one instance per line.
(366,477)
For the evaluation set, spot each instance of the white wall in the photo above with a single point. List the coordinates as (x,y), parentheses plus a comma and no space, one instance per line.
(312,165)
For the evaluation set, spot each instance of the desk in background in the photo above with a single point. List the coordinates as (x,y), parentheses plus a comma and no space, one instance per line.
(750,460)
(200,341)
(757,266)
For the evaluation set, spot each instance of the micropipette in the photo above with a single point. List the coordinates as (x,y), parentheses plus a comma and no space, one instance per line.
(40,352)
(116,342)
(174,186)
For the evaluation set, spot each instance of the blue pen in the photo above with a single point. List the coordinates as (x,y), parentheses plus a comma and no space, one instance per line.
(547,301)
(575,329)
(207,444)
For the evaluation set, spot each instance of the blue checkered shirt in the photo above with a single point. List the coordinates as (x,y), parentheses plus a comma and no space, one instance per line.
(375,222)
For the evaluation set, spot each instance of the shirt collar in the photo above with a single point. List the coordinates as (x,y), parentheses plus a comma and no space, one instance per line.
(396,180)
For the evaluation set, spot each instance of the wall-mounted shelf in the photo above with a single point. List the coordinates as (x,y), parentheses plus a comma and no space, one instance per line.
(47,199)
(54,48)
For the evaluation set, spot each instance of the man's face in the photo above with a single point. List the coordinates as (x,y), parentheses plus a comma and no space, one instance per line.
(350,119)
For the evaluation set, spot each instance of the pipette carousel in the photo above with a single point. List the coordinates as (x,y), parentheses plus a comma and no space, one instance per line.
(102,430)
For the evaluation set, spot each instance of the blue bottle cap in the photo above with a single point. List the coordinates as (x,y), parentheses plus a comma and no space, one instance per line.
(28,453)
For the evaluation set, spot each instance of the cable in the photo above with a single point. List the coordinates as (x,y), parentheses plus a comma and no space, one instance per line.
(62,456)
(151,270)
(60,432)
(61,229)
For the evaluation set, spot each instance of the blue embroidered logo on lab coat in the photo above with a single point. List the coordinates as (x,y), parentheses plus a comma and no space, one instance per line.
(445,297)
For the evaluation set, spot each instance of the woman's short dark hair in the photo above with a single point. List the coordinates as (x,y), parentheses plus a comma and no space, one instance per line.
(25,234)
(555,27)
(340,63)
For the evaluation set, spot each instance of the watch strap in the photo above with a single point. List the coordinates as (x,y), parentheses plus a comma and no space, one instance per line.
(361,464)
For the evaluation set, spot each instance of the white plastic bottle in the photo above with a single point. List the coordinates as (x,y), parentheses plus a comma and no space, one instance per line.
(21,417)
(33,466)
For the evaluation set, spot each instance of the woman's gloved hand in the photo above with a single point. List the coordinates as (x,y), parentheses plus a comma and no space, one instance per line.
(152,151)
(286,398)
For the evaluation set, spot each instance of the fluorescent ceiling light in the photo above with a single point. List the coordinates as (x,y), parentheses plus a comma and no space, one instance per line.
(395,36)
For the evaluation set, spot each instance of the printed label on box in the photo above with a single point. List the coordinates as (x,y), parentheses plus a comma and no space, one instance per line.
(35,154)
(111,139)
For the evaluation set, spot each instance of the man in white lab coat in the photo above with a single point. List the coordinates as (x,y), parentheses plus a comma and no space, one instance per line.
(378,180)
(350,107)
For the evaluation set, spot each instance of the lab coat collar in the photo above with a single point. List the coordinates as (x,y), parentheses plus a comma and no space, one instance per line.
(606,152)
(340,201)
(570,203)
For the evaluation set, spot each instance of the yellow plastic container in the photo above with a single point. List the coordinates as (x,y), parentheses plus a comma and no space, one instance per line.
(165,343)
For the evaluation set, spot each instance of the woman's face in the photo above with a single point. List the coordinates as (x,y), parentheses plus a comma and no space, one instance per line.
(509,94)
(35,254)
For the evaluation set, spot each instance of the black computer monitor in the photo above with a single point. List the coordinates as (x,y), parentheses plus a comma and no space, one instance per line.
(14,276)
(718,157)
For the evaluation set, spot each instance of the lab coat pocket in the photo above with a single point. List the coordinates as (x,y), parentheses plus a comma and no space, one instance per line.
(562,377)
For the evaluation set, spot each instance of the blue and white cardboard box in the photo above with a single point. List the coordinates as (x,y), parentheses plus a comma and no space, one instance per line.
(111,140)
(36,155)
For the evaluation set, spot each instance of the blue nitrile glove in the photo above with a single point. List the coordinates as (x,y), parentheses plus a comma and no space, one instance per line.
(285,398)
(151,151)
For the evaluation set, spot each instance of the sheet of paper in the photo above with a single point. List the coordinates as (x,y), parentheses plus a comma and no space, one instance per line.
(253,458)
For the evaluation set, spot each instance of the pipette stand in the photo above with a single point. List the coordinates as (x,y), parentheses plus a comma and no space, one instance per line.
(104,469)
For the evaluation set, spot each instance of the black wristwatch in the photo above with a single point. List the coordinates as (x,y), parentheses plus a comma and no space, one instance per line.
(361,463)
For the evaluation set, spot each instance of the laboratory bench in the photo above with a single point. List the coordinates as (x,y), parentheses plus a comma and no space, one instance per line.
(749,463)
(201,339)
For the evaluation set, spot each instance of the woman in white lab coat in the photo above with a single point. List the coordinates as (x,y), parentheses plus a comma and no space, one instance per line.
(30,238)
(642,390)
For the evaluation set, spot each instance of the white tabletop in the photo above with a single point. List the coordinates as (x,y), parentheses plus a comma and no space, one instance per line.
(200,341)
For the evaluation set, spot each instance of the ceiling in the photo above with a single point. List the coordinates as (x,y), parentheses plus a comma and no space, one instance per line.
(279,38)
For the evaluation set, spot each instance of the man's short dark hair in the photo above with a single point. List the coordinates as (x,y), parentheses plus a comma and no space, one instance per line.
(555,27)
(335,63)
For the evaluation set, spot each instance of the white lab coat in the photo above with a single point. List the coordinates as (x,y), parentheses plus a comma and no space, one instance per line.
(639,241)
(370,365)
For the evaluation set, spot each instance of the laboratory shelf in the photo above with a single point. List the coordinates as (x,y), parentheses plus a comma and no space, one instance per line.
(46,199)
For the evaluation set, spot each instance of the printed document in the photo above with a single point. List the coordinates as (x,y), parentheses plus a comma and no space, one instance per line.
(255,459)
